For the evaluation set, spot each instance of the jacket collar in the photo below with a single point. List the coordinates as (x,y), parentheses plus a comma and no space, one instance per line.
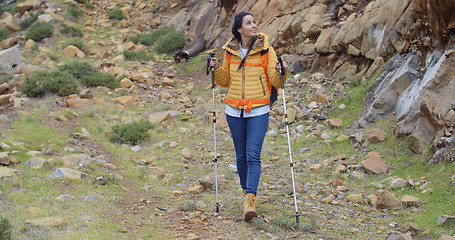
(262,43)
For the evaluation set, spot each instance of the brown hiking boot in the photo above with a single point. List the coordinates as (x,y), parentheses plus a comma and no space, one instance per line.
(249,208)
(244,194)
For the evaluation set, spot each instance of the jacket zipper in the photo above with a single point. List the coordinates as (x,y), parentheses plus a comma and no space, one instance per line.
(243,82)
(262,85)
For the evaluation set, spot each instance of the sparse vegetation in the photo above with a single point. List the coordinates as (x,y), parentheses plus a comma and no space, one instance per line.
(131,133)
(79,69)
(170,42)
(43,82)
(137,55)
(3,34)
(39,30)
(116,13)
(30,19)
(71,31)
(74,12)
(77,42)
(5,229)
(100,79)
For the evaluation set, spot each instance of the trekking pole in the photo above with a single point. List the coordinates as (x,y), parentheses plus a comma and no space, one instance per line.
(289,141)
(212,69)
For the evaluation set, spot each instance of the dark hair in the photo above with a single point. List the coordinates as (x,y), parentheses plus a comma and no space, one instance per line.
(238,20)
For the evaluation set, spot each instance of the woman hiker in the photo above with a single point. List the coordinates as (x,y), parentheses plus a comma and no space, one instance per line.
(249,67)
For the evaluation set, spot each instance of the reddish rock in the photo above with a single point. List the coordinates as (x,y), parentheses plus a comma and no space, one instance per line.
(374,164)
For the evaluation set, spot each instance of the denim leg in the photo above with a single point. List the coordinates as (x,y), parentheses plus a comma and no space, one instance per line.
(256,130)
(248,136)
(237,127)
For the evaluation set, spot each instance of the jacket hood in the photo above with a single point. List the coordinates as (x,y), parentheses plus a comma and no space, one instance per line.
(262,43)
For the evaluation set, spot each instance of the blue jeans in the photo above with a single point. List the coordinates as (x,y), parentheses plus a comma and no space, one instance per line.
(248,136)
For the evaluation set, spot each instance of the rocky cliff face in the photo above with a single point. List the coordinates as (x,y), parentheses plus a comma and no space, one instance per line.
(352,39)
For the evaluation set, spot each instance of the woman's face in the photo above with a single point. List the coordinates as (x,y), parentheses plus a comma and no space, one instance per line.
(249,28)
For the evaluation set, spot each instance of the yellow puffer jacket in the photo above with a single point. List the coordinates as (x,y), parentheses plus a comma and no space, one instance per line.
(249,82)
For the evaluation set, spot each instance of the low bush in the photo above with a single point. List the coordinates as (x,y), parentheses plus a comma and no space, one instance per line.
(30,19)
(137,55)
(79,69)
(3,34)
(77,42)
(5,228)
(43,82)
(74,12)
(171,42)
(161,31)
(100,79)
(71,31)
(90,5)
(146,39)
(116,13)
(131,133)
(39,30)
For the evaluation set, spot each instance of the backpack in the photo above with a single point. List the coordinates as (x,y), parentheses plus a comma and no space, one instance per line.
(249,102)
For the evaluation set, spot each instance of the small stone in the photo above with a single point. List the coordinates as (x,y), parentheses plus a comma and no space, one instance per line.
(355,198)
(177,192)
(411,227)
(376,135)
(46,223)
(328,199)
(186,153)
(316,167)
(374,164)
(407,201)
(196,189)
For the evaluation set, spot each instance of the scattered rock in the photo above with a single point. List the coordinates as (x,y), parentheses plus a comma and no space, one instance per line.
(376,135)
(411,227)
(46,223)
(208,181)
(156,172)
(374,164)
(446,219)
(387,200)
(355,198)
(66,173)
(407,201)
(187,154)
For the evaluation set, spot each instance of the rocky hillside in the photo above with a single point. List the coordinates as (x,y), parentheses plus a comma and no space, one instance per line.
(371,81)
(351,40)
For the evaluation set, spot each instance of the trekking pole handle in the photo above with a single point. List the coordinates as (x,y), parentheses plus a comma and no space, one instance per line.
(211,55)
(280,60)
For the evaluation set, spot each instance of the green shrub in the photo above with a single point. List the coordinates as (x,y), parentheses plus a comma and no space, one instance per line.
(79,69)
(137,55)
(131,133)
(3,34)
(171,42)
(39,30)
(77,42)
(74,12)
(62,83)
(30,20)
(90,5)
(116,13)
(35,85)
(100,79)
(161,31)
(43,82)
(146,39)
(5,228)
(72,31)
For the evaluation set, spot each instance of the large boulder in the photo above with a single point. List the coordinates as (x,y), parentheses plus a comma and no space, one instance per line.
(10,60)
